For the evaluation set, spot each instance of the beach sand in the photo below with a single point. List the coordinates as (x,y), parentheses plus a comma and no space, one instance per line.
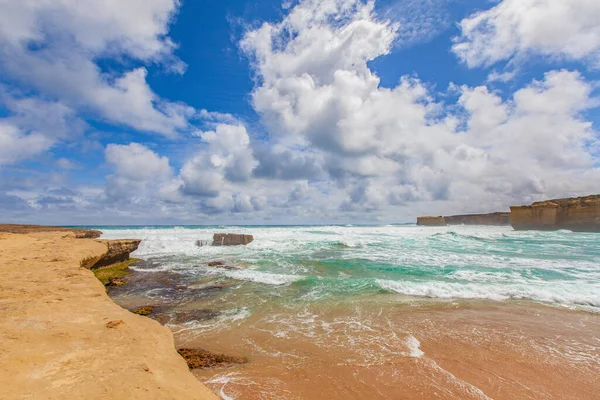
(62,337)
(465,350)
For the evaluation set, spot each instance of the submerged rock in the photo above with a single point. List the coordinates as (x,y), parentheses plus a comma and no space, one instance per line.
(180,317)
(200,358)
(145,310)
(215,263)
(231,239)
(117,281)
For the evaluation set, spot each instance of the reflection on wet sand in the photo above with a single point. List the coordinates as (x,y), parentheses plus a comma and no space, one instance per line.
(387,350)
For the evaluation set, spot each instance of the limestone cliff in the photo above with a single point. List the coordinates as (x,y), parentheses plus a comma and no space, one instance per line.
(431,221)
(580,214)
(468,219)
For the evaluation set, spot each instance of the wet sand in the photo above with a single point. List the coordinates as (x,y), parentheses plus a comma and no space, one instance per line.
(385,349)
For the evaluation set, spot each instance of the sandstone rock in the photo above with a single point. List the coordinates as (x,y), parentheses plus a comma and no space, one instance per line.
(79,233)
(199,358)
(580,214)
(118,251)
(145,310)
(431,221)
(231,239)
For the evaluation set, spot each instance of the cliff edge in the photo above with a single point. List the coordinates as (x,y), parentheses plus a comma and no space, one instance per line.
(579,214)
(62,337)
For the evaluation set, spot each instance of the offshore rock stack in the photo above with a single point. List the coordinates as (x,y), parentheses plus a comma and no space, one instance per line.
(231,239)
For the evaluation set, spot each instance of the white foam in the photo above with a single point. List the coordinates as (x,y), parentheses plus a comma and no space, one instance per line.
(414,347)
(251,275)
(487,262)
(559,292)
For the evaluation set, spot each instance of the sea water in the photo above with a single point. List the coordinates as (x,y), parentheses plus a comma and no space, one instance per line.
(376,312)
(315,263)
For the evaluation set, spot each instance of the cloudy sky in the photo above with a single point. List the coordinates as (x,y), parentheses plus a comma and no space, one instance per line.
(315,111)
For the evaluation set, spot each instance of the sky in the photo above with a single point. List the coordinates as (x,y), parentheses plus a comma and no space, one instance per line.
(297,112)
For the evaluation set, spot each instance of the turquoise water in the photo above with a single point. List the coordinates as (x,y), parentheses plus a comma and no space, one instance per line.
(294,264)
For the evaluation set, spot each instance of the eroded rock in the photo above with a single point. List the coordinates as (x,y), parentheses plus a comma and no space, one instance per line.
(145,310)
(200,358)
(580,214)
(231,239)
(118,251)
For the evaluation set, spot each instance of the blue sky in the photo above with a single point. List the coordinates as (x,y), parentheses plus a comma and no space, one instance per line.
(334,111)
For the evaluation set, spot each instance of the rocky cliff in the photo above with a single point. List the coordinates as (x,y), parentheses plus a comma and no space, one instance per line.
(431,221)
(61,337)
(580,214)
(469,219)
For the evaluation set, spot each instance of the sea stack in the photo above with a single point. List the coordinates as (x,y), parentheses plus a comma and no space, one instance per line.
(580,214)
(231,239)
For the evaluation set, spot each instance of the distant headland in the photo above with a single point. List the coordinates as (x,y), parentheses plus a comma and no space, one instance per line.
(578,214)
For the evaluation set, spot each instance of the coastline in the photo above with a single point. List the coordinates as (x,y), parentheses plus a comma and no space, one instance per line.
(63,337)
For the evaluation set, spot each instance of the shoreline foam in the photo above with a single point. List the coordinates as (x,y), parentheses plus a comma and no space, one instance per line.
(61,336)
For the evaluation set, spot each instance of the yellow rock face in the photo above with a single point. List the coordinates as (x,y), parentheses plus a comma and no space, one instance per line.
(431,221)
(581,214)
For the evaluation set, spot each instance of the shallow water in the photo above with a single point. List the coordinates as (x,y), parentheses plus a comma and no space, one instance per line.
(380,312)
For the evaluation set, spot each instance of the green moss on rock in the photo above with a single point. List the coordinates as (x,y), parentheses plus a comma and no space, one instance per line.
(105,274)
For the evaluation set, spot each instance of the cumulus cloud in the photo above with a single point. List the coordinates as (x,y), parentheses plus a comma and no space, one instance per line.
(393,146)
(332,144)
(54,47)
(34,126)
(228,157)
(16,145)
(138,172)
(556,28)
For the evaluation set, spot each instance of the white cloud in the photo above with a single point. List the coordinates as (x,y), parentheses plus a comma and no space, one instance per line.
(140,173)
(34,126)
(338,146)
(228,157)
(53,47)
(557,28)
(387,147)
(16,145)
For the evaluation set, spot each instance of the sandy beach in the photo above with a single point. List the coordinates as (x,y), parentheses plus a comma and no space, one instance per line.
(62,337)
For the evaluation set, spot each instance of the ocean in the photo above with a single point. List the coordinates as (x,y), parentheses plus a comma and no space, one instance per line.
(320,262)
(357,302)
